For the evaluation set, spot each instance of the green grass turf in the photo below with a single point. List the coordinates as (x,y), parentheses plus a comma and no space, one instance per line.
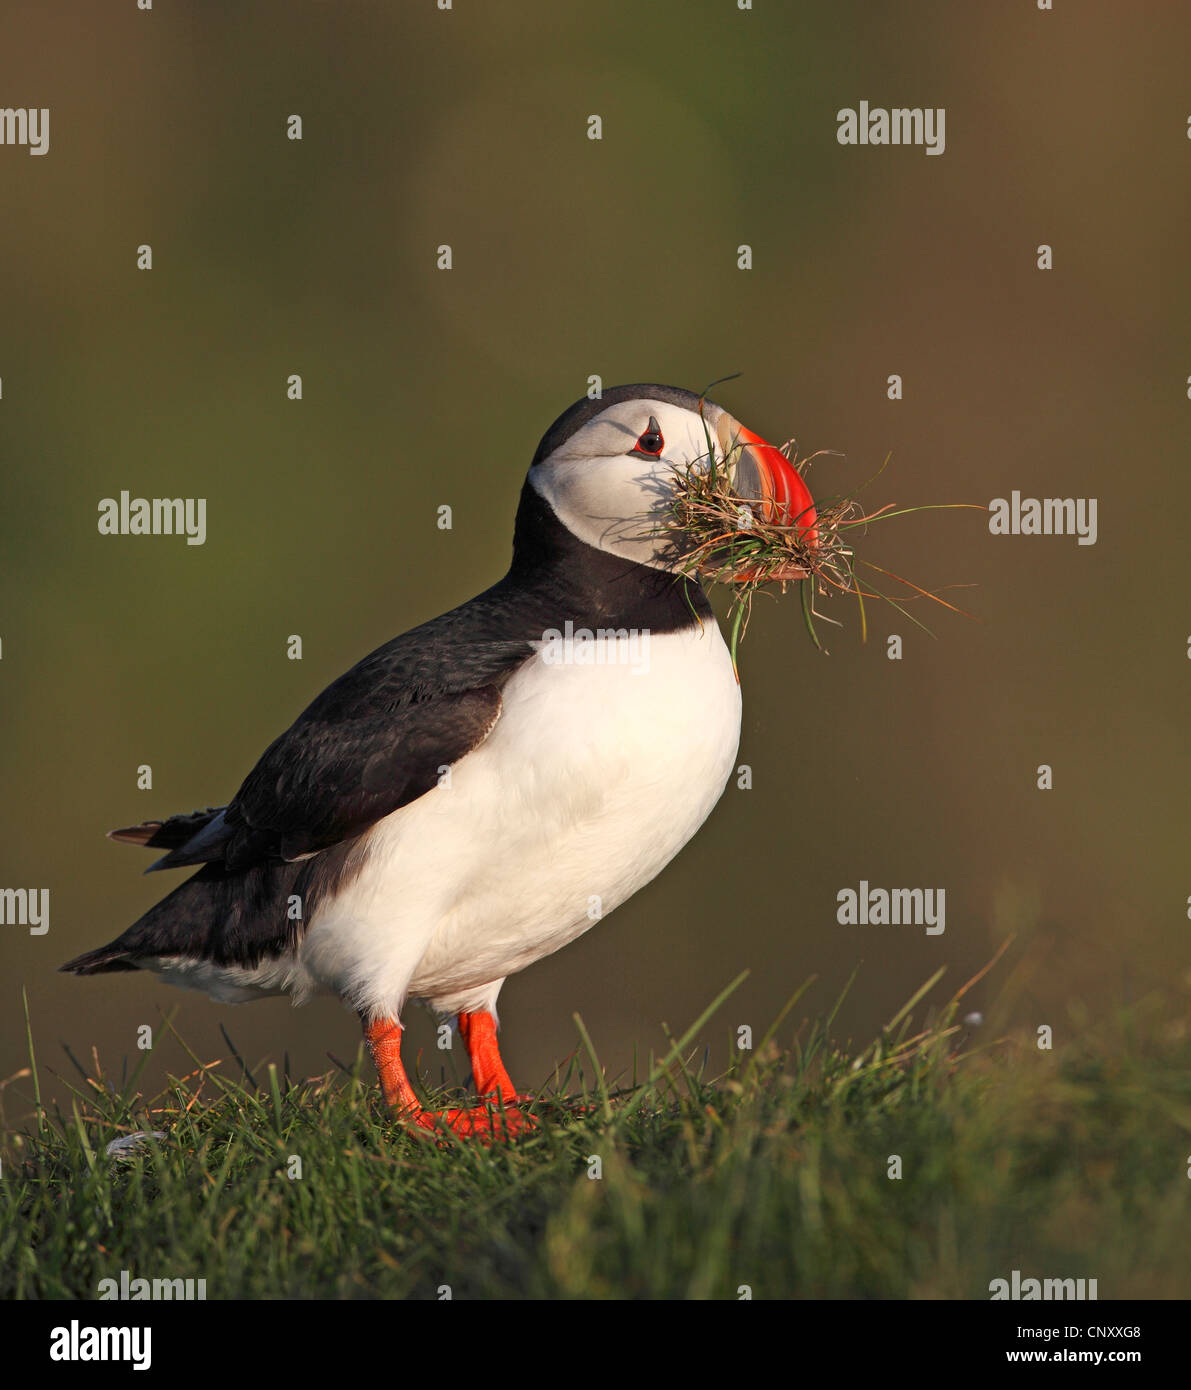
(1063,1163)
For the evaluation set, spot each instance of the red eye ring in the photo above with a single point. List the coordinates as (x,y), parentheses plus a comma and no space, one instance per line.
(651,443)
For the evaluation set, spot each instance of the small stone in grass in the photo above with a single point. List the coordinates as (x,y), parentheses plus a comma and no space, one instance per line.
(123,1148)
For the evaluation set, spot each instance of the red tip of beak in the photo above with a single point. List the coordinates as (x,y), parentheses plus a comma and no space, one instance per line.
(786,499)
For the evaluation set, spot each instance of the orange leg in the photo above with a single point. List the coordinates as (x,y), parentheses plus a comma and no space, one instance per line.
(384,1044)
(478,1032)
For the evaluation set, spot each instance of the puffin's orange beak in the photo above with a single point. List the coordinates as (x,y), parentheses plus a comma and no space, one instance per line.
(766,474)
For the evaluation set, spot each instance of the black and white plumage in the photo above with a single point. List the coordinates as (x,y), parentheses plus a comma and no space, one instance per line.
(455,806)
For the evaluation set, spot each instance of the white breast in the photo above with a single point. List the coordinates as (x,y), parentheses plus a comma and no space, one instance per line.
(594,777)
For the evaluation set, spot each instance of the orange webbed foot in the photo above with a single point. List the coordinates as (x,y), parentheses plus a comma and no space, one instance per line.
(478,1122)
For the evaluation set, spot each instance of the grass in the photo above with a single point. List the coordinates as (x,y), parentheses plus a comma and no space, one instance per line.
(730,539)
(772,1174)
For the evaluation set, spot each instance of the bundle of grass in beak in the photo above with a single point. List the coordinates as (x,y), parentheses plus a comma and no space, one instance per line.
(728,537)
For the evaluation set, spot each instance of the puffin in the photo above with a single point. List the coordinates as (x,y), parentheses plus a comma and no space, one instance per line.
(484,788)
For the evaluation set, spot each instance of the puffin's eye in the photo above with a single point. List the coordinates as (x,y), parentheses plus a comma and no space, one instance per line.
(651,442)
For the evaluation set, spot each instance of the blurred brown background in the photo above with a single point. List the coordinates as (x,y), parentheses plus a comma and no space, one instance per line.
(423,387)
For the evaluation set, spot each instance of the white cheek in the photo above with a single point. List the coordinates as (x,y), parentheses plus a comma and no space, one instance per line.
(612,504)
(614,500)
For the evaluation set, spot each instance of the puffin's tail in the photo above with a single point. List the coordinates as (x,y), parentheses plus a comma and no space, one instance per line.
(100,962)
(166,834)
(170,834)
(225,918)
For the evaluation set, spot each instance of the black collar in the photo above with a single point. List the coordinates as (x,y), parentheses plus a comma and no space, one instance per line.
(551,565)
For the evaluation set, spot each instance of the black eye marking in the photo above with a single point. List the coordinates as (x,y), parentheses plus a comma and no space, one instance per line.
(651,443)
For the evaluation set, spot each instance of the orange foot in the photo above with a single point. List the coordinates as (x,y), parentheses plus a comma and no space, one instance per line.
(499,1120)
(506,1121)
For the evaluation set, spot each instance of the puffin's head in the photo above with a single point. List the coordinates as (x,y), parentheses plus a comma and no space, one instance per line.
(607,467)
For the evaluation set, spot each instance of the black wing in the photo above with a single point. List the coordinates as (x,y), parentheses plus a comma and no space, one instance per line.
(373,741)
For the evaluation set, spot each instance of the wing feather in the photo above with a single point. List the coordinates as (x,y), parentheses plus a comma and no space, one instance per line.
(373,741)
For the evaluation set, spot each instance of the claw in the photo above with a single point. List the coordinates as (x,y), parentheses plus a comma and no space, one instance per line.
(479,1123)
